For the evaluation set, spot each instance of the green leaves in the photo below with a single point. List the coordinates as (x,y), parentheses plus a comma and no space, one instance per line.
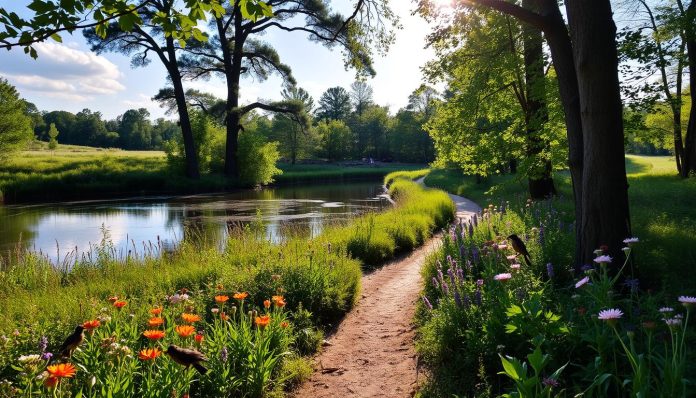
(255,9)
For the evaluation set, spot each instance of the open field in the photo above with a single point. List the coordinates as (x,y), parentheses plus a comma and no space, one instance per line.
(74,172)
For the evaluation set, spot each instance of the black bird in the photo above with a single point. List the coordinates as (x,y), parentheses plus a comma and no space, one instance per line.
(186,357)
(72,342)
(520,248)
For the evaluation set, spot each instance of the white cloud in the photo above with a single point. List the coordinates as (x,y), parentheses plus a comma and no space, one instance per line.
(62,72)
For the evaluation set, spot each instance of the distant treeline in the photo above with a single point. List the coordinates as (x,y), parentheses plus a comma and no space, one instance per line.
(132,130)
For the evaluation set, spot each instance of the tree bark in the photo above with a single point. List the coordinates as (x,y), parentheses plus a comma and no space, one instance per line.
(689,163)
(232,58)
(190,152)
(541,184)
(605,216)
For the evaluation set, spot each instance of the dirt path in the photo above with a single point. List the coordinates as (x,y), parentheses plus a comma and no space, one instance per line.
(372,354)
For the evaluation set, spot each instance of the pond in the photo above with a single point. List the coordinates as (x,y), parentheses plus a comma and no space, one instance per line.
(63,231)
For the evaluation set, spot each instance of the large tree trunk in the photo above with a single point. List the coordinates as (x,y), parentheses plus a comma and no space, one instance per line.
(558,39)
(536,113)
(689,164)
(190,152)
(605,217)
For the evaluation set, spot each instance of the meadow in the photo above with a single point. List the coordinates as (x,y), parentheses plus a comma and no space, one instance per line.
(492,324)
(75,172)
(662,212)
(317,281)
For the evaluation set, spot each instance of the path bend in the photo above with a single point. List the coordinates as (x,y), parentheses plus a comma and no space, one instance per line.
(372,353)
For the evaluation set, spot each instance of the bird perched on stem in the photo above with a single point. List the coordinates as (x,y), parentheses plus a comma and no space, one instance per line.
(187,357)
(519,247)
(72,342)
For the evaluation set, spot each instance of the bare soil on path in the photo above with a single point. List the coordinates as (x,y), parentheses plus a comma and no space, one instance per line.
(372,354)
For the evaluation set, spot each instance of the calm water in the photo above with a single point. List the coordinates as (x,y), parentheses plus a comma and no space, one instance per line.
(69,229)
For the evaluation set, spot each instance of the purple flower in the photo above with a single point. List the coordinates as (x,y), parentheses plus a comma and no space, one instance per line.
(549,382)
(457,298)
(224,354)
(549,270)
(587,267)
(43,343)
(611,315)
(460,274)
(46,356)
(477,297)
(633,284)
(541,235)
(471,230)
(450,273)
(475,220)
(475,254)
(479,283)
(427,303)
(603,259)
(445,288)
(582,282)
(469,266)
(687,301)
(435,284)
(439,275)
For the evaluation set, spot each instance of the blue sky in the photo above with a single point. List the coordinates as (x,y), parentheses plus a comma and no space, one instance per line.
(69,77)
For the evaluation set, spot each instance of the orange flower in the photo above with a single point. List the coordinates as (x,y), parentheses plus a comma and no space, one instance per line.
(156,321)
(120,304)
(277,298)
(185,330)
(156,311)
(91,325)
(263,321)
(149,354)
(61,370)
(199,338)
(224,316)
(154,334)
(190,318)
(241,296)
(280,302)
(51,382)
(221,299)
(267,304)
(284,324)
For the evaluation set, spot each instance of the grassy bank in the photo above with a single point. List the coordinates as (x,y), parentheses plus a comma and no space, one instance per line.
(73,172)
(663,214)
(319,281)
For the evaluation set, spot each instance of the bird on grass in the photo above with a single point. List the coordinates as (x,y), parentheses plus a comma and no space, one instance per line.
(72,342)
(519,247)
(187,357)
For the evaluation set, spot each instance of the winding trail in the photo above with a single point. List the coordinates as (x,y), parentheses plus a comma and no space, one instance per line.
(372,352)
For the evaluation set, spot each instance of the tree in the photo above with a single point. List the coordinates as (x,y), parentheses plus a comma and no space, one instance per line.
(408,141)
(147,38)
(687,22)
(423,100)
(53,135)
(334,104)
(361,95)
(605,218)
(336,139)
(15,125)
(294,139)
(370,130)
(236,50)
(657,49)
(135,129)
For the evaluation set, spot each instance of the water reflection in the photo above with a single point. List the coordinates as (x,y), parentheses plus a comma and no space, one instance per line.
(138,225)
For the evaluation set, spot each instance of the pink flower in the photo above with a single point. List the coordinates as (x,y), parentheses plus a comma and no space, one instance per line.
(687,301)
(516,267)
(610,315)
(630,241)
(582,281)
(602,259)
(512,258)
(503,277)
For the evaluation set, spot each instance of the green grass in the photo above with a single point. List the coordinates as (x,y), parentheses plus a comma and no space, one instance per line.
(74,172)
(662,212)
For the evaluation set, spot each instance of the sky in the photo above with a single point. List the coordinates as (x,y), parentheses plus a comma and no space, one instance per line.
(67,76)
